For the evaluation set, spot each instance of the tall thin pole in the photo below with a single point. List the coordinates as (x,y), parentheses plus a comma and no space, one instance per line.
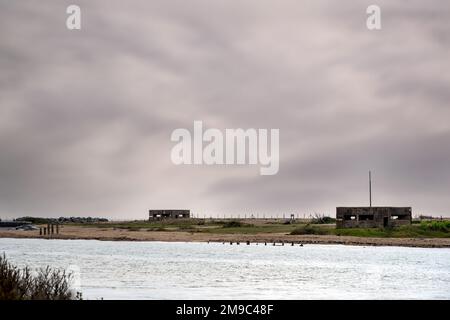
(370,188)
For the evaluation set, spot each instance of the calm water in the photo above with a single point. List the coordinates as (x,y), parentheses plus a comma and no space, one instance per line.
(158,270)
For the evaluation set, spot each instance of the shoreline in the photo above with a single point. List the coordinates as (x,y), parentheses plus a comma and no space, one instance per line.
(110,234)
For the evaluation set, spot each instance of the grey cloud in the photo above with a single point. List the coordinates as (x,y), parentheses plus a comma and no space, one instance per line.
(86,117)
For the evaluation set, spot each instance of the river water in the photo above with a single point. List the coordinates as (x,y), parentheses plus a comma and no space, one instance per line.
(163,270)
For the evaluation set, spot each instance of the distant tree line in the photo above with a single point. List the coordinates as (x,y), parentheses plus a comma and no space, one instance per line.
(38,220)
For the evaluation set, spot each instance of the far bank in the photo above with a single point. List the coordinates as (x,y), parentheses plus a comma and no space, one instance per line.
(255,231)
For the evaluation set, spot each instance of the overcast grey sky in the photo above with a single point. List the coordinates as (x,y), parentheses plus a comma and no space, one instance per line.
(86,116)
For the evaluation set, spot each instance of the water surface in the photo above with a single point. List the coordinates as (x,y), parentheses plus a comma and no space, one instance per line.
(162,270)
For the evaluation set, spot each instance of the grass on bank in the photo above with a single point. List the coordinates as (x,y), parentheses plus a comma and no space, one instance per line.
(218,226)
(426,229)
(22,284)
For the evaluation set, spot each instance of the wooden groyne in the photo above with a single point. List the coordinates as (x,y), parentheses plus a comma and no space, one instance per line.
(50,230)
(273,243)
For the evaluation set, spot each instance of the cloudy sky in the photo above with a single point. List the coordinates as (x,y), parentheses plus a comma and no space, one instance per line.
(86,116)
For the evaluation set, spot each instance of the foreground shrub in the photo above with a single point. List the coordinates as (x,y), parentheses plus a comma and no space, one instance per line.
(21,284)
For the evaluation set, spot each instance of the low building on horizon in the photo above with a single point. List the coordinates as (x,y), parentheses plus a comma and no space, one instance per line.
(169,214)
(372,217)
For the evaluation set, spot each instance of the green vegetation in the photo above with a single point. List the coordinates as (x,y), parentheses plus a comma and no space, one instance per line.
(322,219)
(235,224)
(21,284)
(167,225)
(309,229)
(426,229)
(218,226)
(442,226)
(252,229)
